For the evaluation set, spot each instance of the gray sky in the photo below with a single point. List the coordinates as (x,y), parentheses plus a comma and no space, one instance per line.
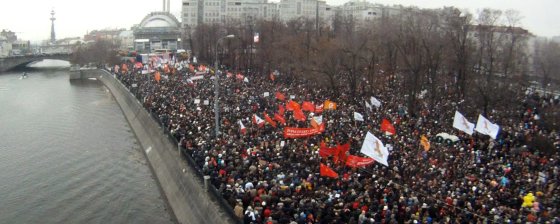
(30,18)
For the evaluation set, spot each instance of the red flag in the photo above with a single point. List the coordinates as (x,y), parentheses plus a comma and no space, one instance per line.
(356,161)
(308,106)
(279,118)
(324,151)
(342,150)
(319,109)
(323,144)
(387,127)
(327,172)
(281,110)
(280,96)
(269,120)
(229,74)
(298,115)
(292,105)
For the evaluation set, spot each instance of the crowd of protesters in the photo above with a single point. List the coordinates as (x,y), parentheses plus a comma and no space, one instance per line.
(267,178)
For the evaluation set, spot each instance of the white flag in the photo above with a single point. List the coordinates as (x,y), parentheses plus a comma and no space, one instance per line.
(368,105)
(358,116)
(484,126)
(196,101)
(461,123)
(375,102)
(206,102)
(245,79)
(265,94)
(374,148)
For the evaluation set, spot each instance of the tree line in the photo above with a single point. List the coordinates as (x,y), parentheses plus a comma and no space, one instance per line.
(482,59)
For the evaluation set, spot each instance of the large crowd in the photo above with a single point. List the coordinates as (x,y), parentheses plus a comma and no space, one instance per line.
(267,178)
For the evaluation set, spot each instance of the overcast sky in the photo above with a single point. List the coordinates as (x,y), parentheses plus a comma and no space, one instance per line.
(30,18)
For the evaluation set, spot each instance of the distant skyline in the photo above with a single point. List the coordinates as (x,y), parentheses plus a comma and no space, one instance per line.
(30,18)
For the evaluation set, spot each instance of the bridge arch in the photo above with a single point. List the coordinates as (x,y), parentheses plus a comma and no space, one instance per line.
(18,61)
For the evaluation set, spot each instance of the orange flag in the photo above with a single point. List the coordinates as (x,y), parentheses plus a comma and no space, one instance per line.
(425,143)
(269,120)
(281,110)
(308,106)
(387,127)
(157,76)
(329,105)
(327,172)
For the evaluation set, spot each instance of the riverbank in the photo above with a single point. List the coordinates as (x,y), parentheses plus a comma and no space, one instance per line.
(183,189)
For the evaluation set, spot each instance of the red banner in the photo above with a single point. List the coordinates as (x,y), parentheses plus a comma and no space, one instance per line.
(356,161)
(290,132)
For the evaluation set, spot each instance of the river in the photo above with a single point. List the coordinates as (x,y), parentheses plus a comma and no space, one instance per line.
(68,155)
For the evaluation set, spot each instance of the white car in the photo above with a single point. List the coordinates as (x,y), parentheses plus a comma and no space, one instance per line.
(446,138)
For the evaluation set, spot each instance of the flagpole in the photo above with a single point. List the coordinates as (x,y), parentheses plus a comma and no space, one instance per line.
(217,88)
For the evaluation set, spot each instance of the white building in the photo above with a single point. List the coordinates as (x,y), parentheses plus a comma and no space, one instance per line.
(5,47)
(195,12)
(126,39)
(307,9)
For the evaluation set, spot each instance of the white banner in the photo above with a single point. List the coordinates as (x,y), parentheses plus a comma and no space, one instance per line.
(484,126)
(374,148)
(461,123)
(196,77)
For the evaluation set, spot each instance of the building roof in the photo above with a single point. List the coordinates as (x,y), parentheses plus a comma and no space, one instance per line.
(160,20)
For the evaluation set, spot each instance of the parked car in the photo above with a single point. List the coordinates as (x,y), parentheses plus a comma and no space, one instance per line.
(446,138)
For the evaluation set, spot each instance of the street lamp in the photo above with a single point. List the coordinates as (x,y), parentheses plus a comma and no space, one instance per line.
(217,88)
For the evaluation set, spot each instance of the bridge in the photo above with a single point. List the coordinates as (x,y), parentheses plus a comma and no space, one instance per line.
(8,63)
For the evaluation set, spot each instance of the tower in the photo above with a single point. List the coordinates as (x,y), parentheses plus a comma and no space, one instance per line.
(53,39)
(166,5)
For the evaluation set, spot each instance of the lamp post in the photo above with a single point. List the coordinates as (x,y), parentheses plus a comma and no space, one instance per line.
(217,88)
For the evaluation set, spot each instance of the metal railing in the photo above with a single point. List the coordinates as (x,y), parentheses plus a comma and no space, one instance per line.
(215,194)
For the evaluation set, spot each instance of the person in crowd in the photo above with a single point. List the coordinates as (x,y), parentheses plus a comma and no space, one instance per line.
(268,178)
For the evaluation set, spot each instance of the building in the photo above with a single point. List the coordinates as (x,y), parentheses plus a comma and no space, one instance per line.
(5,47)
(196,12)
(307,9)
(108,34)
(158,30)
(126,40)
(9,35)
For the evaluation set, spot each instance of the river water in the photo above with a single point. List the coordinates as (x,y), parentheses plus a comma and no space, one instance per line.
(67,154)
